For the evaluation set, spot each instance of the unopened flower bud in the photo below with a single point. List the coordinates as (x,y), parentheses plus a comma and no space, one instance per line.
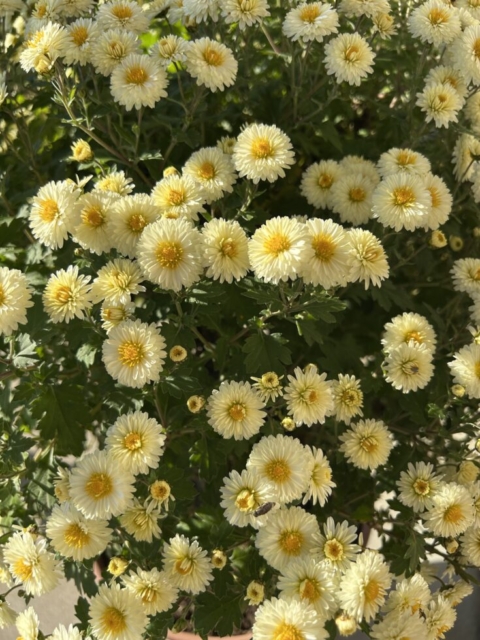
(456,243)
(170,171)
(458,390)
(219,559)
(82,151)
(117,566)
(451,546)
(288,424)
(255,593)
(438,239)
(195,403)
(346,625)
(177,353)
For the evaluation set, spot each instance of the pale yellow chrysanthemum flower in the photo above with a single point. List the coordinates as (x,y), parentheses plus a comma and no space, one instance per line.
(110,48)
(116,614)
(211,63)
(153,588)
(187,565)
(349,58)
(15,299)
(138,81)
(67,295)
(367,444)
(288,619)
(245,13)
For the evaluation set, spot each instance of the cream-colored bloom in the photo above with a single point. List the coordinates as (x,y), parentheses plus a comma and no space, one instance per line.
(63,633)
(409,367)
(28,624)
(81,35)
(452,511)
(7,615)
(115,182)
(402,201)
(310,21)
(309,396)
(225,249)
(444,74)
(73,8)
(408,327)
(201,10)
(410,595)
(178,196)
(363,7)
(51,213)
(116,282)
(242,495)
(287,619)
(268,386)
(110,48)
(396,626)
(442,201)
(358,164)
(351,197)
(440,102)
(470,546)
(30,564)
(153,588)
(335,545)
(255,593)
(418,485)
(44,47)
(310,582)
(465,53)
(235,410)
(367,444)
(15,299)
(435,22)
(349,58)
(321,484)
(82,151)
(115,614)
(262,152)
(132,215)
(67,295)
(347,398)
(439,617)
(141,522)
(213,171)
(211,63)
(172,48)
(114,315)
(384,25)
(466,149)
(317,182)
(138,81)
(403,160)
(245,13)
(326,254)
(92,221)
(465,369)
(122,14)
(187,565)
(466,275)
(368,261)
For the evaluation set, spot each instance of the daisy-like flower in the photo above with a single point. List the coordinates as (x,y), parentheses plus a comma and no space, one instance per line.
(153,588)
(15,299)
(73,8)
(170,253)
(384,25)
(466,473)
(435,22)
(213,171)
(310,21)
(242,494)
(470,546)
(448,75)
(287,537)
(92,215)
(364,7)
(326,254)
(367,444)
(409,367)
(134,353)
(81,34)
(452,511)
(276,249)
(245,13)
(465,54)
(67,295)
(170,49)
(310,582)
(235,410)
(309,396)
(363,587)
(51,213)
(408,327)
(465,369)
(351,197)
(268,386)
(262,152)
(255,593)
(110,48)
(211,63)
(283,462)
(401,201)
(466,275)
(122,14)
(457,592)
(439,617)
(349,57)
(225,250)
(418,485)
(135,442)
(368,261)
(113,315)
(64,633)
(75,536)
(115,182)
(141,522)
(347,398)
(7,615)
(30,564)
(44,47)
(138,81)
(335,545)
(317,182)
(28,624)
(115,614)
(100,488)
(442,201)
(117,281)
(358,164)
(178,196)
(321,484)
(201,10)
(396,626)
(187,565)
(405,160)
(287,618)
(440,102)
(410,595)
(175,11)
(132,215)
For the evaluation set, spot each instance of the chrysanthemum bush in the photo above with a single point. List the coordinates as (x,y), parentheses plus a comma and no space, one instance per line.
(239,315)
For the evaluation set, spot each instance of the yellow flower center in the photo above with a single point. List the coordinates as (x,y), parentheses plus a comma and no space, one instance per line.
(99,485)
(184,566)
(403,197)
(131,353)
(206,171)
(169,254)
(76,536)
(477,369)
(372,254)
(116,50)
(324,247)
(291,542)
(286,631)
(405,158)
(40,11)
(320,475)
(62,294)
(351,397)
(309,590)
(325,181)
(333,550)
(137,222)
(79,35)
(245,500)
(416,336)
(93,216)
(369,444)
(476,49)
(22,569)
(309,13)
(122,12)
(454,514)
(176,197)
(278,471)
(148,595)
(3,296)
(277,244)
(357,194)
(228,248)
(160,490)
(421,487)
(237,412)
(113,620)
(410,368)
(48,210)
(133,441)
(261,149)
(438,16)
(136,75)
(213,57)
(351,53)
(372,590)
(270,380)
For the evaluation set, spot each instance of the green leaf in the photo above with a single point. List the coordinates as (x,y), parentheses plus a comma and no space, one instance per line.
(308,330)
(219,614)
(81,611)
(415,551)
(26,348)
(265,352)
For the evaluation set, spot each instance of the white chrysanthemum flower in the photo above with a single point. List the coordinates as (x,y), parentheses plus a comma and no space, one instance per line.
(363,587)
(99,487)
(440,102)
(117,281)
(470,546)
(92,216)
(321,484)
(475,178)
(262,152)
(170,49)
(418,485)
(115,182)
(153,588)
(452,511)
(44,47)
(310,21)
(211,63)
(475,492)
(466,149)
(201,10)
(309,582)
(364,7)
(81,34)
(466,473)
(170,253)
(335,545)
(351,197)
(398,626)
(67,295)
(110,48)
(141,522)
(113,315)
(61,485)
(442,201)
(64,633)
(465,369)
(408,327)
(402,201)
(309,396)
(242,495)
(134,353)
(132,215)
(75,536)
(367,444)
(175,11)
(287,536)
(74,8)
(213,171)
(317,182)
(283,462)
(472,111)
(15,299)
(349,57)
(435,22)
(368,261)
(384,25)
(287,619)
(51,214)
(115,614)
(7,615)
(457,592)
(347,398)
(397,161)
(444,74)
(28,624)
(245,13)
(358,164)
(187,565)
(409,367)
(276,249)
(135,442)
(410,595)
(439,617)
(178,196)
(122,14)
(465,54)
(225,249)
(268,386)
(30,564)
(138,81)
(235,410)
(466,275)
